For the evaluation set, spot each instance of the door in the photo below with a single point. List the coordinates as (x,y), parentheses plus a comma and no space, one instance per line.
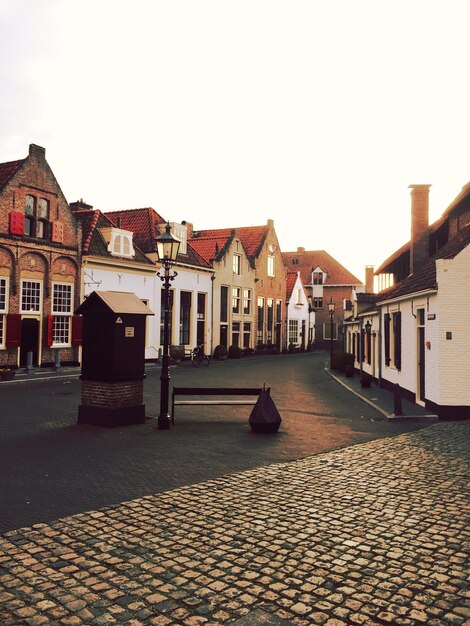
(420,392)
(29,341)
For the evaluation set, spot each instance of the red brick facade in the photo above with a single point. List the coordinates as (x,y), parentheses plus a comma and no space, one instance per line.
(39,265)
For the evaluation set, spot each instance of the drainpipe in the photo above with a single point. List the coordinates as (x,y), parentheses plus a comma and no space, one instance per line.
(379,377)
(361,344)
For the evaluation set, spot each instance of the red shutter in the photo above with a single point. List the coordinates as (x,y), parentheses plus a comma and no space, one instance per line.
(50,331)
(16,223)
(13,338)
(77,326)
(57,232)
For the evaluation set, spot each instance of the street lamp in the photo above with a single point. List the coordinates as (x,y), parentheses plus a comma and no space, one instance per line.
(167,250)
(331,311)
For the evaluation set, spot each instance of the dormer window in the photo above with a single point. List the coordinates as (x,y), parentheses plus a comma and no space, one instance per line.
(317,278)
(119,241)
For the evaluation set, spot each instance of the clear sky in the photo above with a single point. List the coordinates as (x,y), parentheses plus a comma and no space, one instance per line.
(316,114)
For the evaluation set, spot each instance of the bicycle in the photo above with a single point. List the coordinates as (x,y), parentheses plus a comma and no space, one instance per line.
(198,356)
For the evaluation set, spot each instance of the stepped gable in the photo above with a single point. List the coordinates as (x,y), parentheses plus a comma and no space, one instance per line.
(306,261)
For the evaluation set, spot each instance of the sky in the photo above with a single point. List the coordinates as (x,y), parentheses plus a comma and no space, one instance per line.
(315,114)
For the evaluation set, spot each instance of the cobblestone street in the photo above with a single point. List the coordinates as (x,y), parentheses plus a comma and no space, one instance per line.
(375,533)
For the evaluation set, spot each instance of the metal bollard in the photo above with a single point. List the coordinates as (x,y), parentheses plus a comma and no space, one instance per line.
(397,408)
(57,359)
(29,361)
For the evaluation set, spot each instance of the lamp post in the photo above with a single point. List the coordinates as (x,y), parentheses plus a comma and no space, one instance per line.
(167,250)
(331,311)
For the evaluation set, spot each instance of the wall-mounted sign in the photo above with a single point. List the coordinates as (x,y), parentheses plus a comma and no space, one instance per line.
(448,335)
(129,331)
(431,316)
(118,320)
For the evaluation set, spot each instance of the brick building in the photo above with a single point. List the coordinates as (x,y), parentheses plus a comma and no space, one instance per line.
(39,266)
(264,255)
(325,279)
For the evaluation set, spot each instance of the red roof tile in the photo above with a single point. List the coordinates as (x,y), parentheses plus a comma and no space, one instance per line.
(252,237)
(7,170)
(307,261)
(291,278)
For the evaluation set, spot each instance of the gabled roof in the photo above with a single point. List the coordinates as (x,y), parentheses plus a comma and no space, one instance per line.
(115,301)
(93,242)
(426,278)
(291,279)
(465,193)
(211,248)
(145,223)
(8,170)
(307,261)
(252,237)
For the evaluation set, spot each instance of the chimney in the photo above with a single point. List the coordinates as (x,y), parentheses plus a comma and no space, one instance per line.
(369,279)
(80,206)
(419,245)
(300,249)
(189,228)
(37,152)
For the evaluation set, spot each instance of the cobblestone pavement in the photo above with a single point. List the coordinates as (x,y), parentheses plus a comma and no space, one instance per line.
(376,533)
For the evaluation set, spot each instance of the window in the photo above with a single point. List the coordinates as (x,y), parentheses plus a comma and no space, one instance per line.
(392,339)
(236,299)
(3,308)
(279,311)
(327,331)
(247,301)
(246,334)
(223,304)
(270,327)
(30,296)
(318,303)
(235,333)
(294,331)
(318,278)
(121,245)
(201,319)
(270,265)
(185,317)
(36,217)
(62,298)
(260,335)
(237,263)
(299,296)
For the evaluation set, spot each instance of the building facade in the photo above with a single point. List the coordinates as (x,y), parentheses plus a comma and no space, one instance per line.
(39,266)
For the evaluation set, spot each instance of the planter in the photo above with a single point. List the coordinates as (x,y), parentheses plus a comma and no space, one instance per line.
(7,375)
(366,381)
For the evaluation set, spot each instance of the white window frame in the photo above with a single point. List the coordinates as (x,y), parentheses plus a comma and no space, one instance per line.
(246,301)
(271,266)
(4,285)
(237,264)
(60,316)
(294,331)
(30,311)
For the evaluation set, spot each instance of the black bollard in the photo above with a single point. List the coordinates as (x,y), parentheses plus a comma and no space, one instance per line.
(397,408)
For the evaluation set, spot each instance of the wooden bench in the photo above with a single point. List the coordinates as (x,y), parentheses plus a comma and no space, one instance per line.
(198,392)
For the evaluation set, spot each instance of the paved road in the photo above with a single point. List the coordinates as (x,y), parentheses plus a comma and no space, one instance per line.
(51,467)
(373,534)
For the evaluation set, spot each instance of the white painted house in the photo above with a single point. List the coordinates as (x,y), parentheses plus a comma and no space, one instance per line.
(300,313)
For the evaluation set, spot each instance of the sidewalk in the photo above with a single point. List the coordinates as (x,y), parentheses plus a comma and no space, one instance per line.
(382,399)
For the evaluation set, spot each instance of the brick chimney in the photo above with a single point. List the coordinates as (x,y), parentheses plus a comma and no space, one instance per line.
(300,249)
(189,229)
(369,279)
(80,206)
(419,245)
(37,152)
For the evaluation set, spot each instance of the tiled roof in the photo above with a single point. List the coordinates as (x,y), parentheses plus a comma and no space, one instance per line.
(426,278)
(211,248)
(7,170)
(306,261)
(252,237)
(142,222)
(146,224)
(93,242)
(291,278)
